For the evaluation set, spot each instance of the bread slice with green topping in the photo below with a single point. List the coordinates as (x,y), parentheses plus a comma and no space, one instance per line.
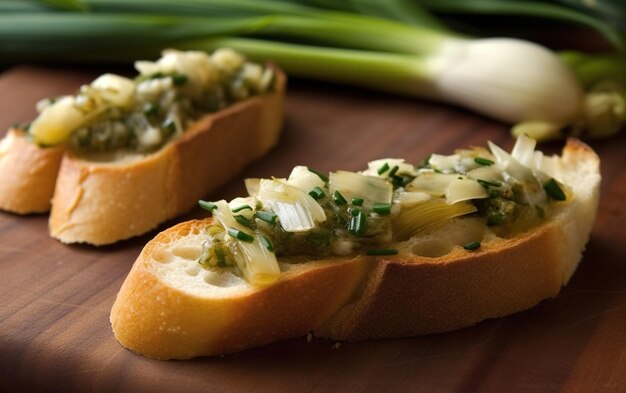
(442,278)
(125,155)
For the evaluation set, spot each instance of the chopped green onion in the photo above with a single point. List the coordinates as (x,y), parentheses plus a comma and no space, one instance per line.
(393,171)
(317,193)
(150,109)
(357,201)
(179,79)
(487,183)
(472,246)
(339,199)
(324,178)
(358,223)
(553,190)
(240,235)
(242,207)
(169,125)
(210,206)
(266,216)
(221,257)
(382,208)
(383,168)
(387,251)
(267,243)
(243,221)
(483,161)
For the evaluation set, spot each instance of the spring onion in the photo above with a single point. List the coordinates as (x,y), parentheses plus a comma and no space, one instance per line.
(268,217)
(508,79)
(483,161)
(340,200)
(553,190)
(382,208)
(472,246)
(355,201)
(210,206)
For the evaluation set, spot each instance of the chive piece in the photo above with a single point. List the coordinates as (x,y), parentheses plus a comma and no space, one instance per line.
(150,109)
(383,168)
(324,178)
(382,208)
(240,235)
(487,183)
(210,206)
(169,125)
(339,199)
(386,251)
(472,246)
(317,193)
(268,217)
(358,223)
(240,208)
(357,201)
(221,257)
(483,161)
(267,243)
(393,171)
(179,79)
(243,221)
(553,190)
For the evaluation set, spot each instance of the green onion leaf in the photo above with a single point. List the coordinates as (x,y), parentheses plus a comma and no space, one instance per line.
(317,193)
(324,178)
(179,79)
(210,206)
(387,251)
(553,190)
(472,246)
(240,235)
(266,216)
(382,208)
(243,221)
(358,223)
(339,199)
(383,168)
(242,207)
(150,109)
(393,171)
(483,161)
(267,243)
(357,201)
(487,183)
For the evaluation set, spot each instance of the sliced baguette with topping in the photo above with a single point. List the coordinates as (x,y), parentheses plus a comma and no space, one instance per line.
(171,307)
(101,198)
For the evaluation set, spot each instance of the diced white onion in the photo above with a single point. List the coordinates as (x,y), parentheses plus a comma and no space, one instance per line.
(523,150)
(409,198)
(116,90)
(464,189)
(441,162)
(403,167)
(252,186)
(491,172)
(297,211)
(353,185)
(304,179)
(432,182)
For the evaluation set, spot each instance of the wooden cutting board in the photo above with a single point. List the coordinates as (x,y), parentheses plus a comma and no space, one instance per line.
(55,299)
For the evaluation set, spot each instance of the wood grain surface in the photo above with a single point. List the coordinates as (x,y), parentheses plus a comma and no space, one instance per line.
(55,299)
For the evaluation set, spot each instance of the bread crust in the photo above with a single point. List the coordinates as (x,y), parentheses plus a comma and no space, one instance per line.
(361,297)
(104,202)
(28,174)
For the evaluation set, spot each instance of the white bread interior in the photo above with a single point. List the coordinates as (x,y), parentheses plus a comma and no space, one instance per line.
(170,307)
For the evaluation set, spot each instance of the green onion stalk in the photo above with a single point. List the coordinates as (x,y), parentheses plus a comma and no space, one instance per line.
(508,79)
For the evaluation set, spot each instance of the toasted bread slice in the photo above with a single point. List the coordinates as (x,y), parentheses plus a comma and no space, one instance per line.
(104,202)
(170,307)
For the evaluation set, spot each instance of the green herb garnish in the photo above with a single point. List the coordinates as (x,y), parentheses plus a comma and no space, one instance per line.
(382,208)
(553,190)
(383,168)
(324,178)
(339,199)
(210,206)
(243,221)
(358,223)
(317,193)
(267,243)
(472,246)
(240,235)
(357,201)
(266,216)
(240,208)
(483,161)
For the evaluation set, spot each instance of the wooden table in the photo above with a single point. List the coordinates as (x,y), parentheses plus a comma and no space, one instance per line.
(55,299)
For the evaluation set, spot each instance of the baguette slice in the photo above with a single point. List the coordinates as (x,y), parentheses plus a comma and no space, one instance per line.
(170,307)
(104,202)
